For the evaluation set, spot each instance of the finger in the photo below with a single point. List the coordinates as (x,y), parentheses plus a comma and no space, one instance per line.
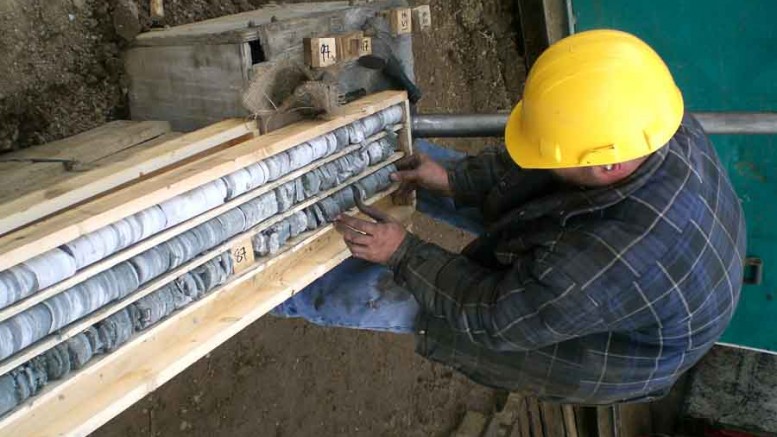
(358,199)
(405,176)
(358,224)
(409,162)
(406,188)
(358,252)
(373,212)
(352,236)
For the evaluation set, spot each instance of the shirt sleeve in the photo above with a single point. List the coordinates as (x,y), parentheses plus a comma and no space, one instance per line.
(526,307)
(473,177)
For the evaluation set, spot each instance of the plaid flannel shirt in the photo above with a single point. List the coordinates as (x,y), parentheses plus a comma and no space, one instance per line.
(583,295)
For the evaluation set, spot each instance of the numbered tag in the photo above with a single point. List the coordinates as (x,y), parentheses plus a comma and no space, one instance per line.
(399,20)
(320,52)
(422,18)
(242,255)
(366,46)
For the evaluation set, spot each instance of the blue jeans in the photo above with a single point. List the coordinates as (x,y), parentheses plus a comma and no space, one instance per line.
(359,294)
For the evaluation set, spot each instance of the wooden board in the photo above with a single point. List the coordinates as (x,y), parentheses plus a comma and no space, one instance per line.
(52,232)
(160,237)
(29,170)
(190,86)
(91,397)
(535,416)
(281,39)
(103,312)
(605,419)
(94,144)
(552,420)
(111,172)
(235,28)
(633,420)
(194,75)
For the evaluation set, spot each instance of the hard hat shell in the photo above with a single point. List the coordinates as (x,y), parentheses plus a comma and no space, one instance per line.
(594,98)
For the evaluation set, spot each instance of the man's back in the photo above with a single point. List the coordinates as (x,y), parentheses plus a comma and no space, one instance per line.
(617,290)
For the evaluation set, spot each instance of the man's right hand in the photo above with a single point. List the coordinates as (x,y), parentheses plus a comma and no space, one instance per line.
(420,171)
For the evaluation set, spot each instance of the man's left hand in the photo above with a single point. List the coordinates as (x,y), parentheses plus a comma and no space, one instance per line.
(375,242)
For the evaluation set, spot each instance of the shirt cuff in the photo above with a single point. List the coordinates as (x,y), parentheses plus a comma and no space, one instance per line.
(397,259)
(460,195)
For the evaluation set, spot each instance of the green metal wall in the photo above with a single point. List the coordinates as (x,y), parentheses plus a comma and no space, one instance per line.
(723,55)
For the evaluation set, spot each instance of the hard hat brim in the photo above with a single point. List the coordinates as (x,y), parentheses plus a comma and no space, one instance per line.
(518,146)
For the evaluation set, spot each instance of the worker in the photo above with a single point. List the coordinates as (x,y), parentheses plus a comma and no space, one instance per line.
(612,245)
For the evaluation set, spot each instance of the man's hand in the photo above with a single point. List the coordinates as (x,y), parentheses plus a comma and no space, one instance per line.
(374,242)
(419,170)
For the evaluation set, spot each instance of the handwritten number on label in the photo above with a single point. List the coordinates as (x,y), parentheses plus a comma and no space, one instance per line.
(240,254)
(325,52)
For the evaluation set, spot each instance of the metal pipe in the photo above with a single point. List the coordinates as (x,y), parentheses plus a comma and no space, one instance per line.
(493,125)
(459,125)
(738,122)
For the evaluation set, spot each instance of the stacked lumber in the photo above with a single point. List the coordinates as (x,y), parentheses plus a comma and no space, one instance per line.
(105,298)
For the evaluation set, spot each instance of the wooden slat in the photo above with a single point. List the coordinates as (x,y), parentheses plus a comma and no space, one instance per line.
(535,417)
(42,166)
(163,236)
(89,146)
(114,171)
(570,421)
(235,27)
(91,397)
(634,420)
(605,419)
(190,86)
(552,420)
(523,422)
(80,325)
(69,225)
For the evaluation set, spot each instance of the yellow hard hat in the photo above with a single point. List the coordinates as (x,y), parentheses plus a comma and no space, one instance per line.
(594,98)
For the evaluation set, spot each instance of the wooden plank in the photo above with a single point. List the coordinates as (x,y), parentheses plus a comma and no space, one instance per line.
(535,417)
(92,145)
(523,423)
(238,27)
(633,420)
(189,86)
(44,175)
(91,397)
(281,39)
(127,166)
(52,232)
(552,420)
(155,240)
(80,325)
(605,419)
(570,421)
(22,173)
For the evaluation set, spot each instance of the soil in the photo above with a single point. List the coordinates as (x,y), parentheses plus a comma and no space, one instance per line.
(61,74)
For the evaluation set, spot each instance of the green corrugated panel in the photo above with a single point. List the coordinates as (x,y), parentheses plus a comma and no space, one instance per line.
(723,55)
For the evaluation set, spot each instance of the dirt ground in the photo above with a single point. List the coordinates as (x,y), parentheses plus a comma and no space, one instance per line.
(61,73)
